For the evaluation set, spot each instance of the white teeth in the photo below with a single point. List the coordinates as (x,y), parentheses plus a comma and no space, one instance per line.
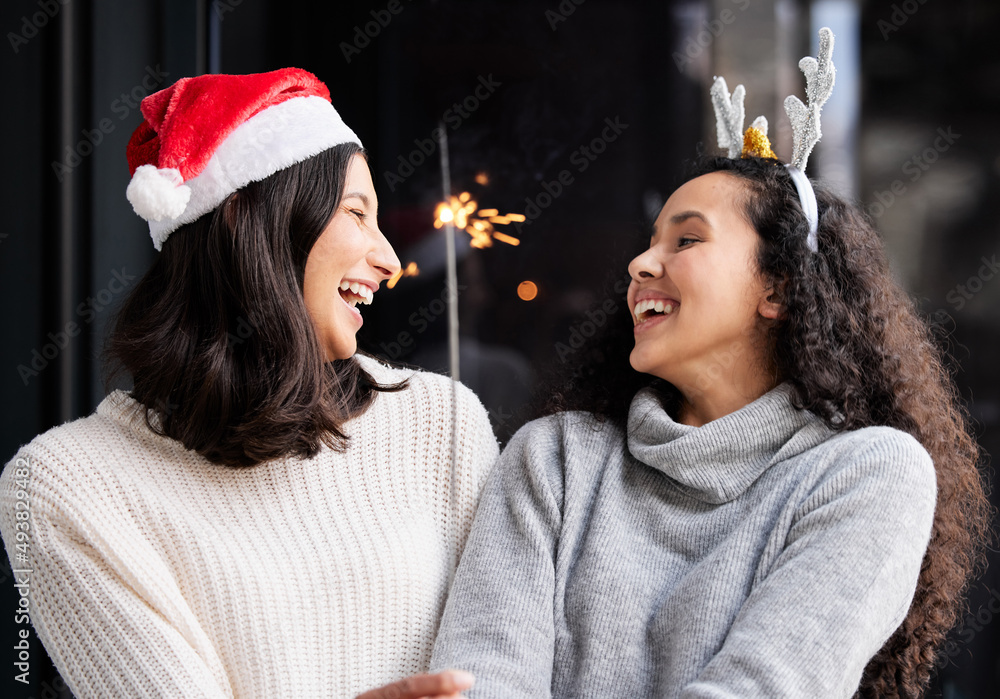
(360,290)
(654,305)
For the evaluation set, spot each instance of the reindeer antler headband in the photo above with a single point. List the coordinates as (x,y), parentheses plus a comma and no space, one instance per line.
(806,133)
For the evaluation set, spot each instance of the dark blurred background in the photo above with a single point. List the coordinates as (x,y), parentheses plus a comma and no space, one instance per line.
(578,114)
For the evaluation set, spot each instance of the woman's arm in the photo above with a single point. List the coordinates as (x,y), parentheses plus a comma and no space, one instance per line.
(841,585)
(498,622)
(103,604)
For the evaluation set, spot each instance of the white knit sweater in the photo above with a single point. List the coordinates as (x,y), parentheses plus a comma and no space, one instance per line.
(155,573)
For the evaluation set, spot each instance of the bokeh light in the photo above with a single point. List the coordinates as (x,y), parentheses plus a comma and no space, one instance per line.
(527,290)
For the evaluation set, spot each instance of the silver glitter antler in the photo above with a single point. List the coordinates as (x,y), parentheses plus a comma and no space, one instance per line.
(729,116)
(819,84)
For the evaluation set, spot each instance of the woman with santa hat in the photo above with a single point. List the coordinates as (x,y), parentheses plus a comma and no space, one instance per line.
(268,512)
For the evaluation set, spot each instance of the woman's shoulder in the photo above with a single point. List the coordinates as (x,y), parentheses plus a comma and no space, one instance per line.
(71,455)
(571,439)
(388,374)
(571,425)
(422,385)
(115,412)
(428,399)
(893,445)
(882,457)
(440,421)
(383,372)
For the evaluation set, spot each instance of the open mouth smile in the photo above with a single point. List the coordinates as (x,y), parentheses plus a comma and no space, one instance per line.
(650,309)
(353,293)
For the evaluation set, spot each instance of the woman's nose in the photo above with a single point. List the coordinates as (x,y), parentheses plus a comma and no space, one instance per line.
(382,257)
(645,266)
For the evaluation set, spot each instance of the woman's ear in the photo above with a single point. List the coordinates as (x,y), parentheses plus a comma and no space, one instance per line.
(770,305)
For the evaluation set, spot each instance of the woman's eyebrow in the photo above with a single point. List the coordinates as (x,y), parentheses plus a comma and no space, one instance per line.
(678,219)
(685,215)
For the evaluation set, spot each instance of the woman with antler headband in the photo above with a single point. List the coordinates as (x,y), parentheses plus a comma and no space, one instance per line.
(781,500)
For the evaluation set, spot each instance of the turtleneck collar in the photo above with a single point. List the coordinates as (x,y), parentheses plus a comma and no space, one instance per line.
(120,406)
(718,461)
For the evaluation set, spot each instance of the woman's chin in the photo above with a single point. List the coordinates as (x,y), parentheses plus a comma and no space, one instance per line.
(642,362)
(655,364)
(340,349)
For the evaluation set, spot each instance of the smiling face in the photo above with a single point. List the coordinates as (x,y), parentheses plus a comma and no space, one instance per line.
(696,295)
(346,264)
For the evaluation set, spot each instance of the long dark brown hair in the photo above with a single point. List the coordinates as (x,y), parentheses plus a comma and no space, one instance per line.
(216,335)
(858,354)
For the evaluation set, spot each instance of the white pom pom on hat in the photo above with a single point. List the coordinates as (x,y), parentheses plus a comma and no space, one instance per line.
(158,194)
(204,138)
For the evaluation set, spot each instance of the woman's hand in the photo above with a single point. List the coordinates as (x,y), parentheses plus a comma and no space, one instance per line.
(443,685)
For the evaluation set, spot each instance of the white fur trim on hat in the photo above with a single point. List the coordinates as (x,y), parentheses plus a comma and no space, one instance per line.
(269,141)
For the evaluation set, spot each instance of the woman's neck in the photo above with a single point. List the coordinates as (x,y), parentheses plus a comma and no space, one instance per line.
(726,395)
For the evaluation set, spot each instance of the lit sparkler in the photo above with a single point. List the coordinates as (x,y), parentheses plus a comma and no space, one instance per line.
(463,212)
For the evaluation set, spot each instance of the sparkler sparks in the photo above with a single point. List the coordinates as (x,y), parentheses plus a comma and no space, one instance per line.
(410,270)
(464,213)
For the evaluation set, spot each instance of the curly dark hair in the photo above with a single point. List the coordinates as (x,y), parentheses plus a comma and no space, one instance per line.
(857,353)
(216,335)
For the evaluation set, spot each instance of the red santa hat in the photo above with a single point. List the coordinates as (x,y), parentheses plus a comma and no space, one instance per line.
(205,137)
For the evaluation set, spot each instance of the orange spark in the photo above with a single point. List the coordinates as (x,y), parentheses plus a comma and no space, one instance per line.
(464,212)
(504,238)
(411,270)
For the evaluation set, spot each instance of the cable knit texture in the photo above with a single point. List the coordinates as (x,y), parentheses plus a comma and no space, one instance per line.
(155,573)
(760,555)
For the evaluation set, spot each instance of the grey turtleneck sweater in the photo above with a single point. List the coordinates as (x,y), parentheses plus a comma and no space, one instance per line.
(760,555)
